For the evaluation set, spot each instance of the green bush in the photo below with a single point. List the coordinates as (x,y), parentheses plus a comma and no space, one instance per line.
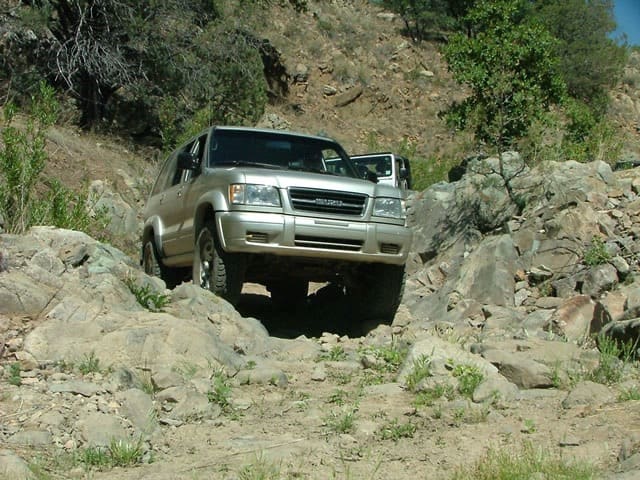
(28,198)
(146,296)
(525,462)
(597,253)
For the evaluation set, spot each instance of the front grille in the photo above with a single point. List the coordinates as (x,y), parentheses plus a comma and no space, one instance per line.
(327,201)
(328,243)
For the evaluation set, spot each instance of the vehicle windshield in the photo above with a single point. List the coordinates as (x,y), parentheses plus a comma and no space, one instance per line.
(281,151)
(379,164)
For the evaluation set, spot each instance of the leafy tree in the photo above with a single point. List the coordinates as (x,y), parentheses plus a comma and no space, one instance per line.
(511,71)
(423,18)
(122,59)
(590,60)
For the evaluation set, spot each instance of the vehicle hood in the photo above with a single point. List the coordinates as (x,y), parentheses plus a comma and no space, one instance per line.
(284,179)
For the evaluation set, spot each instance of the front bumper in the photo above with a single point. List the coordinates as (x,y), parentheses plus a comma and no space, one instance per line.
(300,236)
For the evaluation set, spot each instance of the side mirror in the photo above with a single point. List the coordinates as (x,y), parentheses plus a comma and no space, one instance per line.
(403,173)
(188,161)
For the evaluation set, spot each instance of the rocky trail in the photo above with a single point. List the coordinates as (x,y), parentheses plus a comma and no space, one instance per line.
(107,375)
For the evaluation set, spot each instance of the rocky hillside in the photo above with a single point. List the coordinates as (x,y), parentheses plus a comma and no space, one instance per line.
(107,375)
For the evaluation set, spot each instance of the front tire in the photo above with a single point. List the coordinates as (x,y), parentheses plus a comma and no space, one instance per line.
(216,270)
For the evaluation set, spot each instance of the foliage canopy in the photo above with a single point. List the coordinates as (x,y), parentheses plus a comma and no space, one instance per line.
(509,66)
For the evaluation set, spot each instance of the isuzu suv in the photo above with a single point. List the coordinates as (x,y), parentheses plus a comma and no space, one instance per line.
(282,209)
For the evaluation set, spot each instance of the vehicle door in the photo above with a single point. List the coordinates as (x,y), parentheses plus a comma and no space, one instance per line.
(189,196)
(168,204)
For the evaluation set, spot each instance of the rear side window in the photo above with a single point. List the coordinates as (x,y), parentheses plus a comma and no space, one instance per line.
(170,175)
(167,174)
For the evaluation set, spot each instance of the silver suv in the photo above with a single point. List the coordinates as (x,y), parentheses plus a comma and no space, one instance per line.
(282,209)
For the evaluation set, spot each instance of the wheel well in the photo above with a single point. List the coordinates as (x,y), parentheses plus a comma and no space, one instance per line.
(204,213)
(148,235)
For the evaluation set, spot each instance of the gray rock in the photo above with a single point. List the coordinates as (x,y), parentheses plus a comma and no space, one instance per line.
(625,332)
(264,375)
(187,404)
(573,318)
(138,408)
(495,387)
(599,279)
(13,466)
(588,393)
(86,389)
(99,429)
(487,274)
(33,438)
(522,371)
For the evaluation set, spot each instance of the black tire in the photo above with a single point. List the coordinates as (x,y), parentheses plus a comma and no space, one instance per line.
(288,294)
(216,270)
(380,292)
(152,265)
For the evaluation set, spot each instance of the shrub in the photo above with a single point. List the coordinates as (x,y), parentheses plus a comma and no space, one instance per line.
(220,392)
(421,369)
(525,462)
(469,377)
(147,297)
(597,253)
(26,199)
(613,360)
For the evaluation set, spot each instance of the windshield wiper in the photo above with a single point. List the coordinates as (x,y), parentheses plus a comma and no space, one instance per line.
(312,170)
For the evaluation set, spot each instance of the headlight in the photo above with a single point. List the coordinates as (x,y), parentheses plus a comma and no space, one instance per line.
(250,194)
(389,207)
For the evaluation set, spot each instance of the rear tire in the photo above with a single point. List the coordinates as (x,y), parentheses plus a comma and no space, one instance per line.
(216,270)
(153,266)
(380,292)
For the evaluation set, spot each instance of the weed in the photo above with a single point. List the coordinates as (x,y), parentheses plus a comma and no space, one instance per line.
(338,397)
(556,378)
(145,383)
(250,365)
(260,469)
(14,374)
(428,396)
(119,453)
(94,457)
(339,376)
(632,393)
(421,369)
(89,364)
(186,370)
(459,414)
(392,356)
(469,377)
(372,378)
(597,253)
(613,359)
(336,354)
(220,392)
(526,462)
(125,453)
(529,426)
(146,297)
(395,431)
(341,422)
